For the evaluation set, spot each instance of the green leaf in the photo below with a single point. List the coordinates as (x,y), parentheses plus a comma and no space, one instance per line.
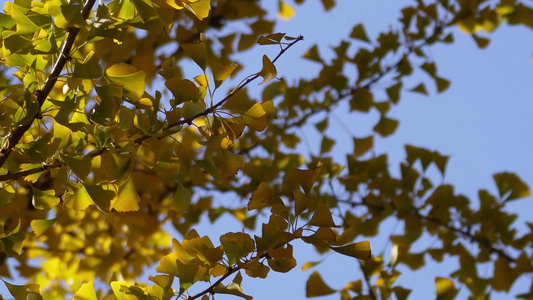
(80,165)
(89,68)
(316,287)
(66,16)
(510,186)
(268,72)
(24,24)
(80,199)
(386,126)
(263,196)
(12,244)
(40,226)
(359,33)
(359,250)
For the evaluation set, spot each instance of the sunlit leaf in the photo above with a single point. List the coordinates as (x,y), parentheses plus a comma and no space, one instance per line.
(40,226)
(86,292)
(310,264)
(44,199)
(285,11)
(316,287)
(268,72)
(255,117)
(24,24)
(67,15)
(360,250)
(127,198)
(128,77)
(445,288)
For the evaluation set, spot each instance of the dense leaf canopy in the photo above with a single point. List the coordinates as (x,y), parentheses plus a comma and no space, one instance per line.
(106,144)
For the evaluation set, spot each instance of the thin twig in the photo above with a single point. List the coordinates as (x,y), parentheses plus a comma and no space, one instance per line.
(42,94)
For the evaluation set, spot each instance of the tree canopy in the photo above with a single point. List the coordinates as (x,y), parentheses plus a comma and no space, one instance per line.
(108,148)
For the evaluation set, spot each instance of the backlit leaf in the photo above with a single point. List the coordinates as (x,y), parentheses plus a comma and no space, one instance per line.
(12,244)
(67,15)
(360,250)
(44,199)
(128,77)
(316,287)
(221,72)
(445,288)
(127,198)
(236,245)
(80,199)
(24,24)
(28,291)
(255,117)
(86,292)
(285,11)
(40,226)
(200,8)
(268,72)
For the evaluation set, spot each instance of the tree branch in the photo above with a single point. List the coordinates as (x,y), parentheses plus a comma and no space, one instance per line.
(42,94)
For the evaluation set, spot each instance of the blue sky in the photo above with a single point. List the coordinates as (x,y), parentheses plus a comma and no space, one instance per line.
(483,122)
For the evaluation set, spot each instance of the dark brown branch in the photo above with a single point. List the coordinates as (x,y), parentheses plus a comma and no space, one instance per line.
(42,94)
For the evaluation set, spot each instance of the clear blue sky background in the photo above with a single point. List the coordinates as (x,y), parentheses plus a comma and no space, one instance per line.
(483,122)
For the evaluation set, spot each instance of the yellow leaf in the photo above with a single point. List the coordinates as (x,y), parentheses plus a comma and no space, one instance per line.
(268,107)
(285,10)
(221,72)
(127,199)
(359,250)
(44,199)
(200,8)
(308,265)
(263,196)
(129,78)
(24,24)
(236,245)
(316,286)
(40,226)
(268,72)
(445,288)
(86,292)
(255,117)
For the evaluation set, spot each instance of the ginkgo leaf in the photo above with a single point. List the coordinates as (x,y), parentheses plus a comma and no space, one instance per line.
(12,244)
(510,186)
(301,201)
(24,24)
(308,265)
(28,291)
(182,89)
(358,32)
(442,84)
(255,117)
(127,198)
(268,72)
(44,199)
(263,196)
(182,198)
(128,77)
(86,292)
(255,269)
(316,287)
(80,199)
(236,245)
(281,259)
(307,178)
(386,126)
(40,226)
(271,39)
(80,165)
(362,145)
(222,71)
(322,216)
(200,8)
(233,288)
(445,288)
(312,54)
(421,88)
(197,51)
(67,15)
(360,250)
(285,11)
